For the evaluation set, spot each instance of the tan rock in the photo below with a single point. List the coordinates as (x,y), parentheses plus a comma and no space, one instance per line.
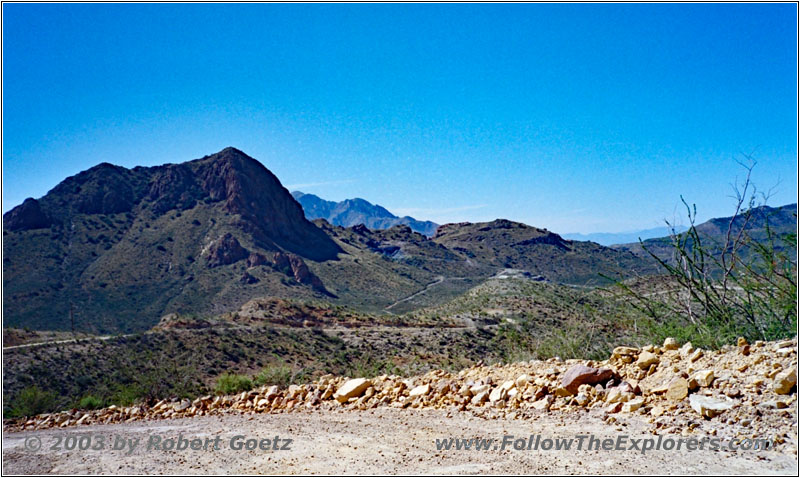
(499,393)
(632,405)
(624,354)
(477,389)
(352,389)
(678,389)
(646,359)
(618,395)
(670,344)
(686,350)
(543,404)
(480,398)
(522,381)
(785,381)
(696,355)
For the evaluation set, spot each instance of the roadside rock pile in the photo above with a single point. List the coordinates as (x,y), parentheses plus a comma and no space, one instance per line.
(675,387)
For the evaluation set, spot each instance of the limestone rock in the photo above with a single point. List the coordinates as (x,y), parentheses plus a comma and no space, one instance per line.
(701,378)
(498,394)
(785,381)
(618,395)
(419,391)
(632,405)
(352,389)
(670,344)
(646,359)
(543,404)
(480,398)
(678,389)
(709,407)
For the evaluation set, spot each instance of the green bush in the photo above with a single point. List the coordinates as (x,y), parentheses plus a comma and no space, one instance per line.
(229,383)
(280,375)
(32,401)
(90,402)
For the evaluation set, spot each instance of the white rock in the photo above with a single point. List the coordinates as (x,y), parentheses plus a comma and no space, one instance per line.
(702,378)
(709,406)
(498,394)
(632,405)
(421,390)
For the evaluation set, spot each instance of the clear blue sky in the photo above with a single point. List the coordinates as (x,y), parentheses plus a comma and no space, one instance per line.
(578,118)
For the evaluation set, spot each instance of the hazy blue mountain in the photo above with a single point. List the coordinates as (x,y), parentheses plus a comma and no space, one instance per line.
(612,238)
(782,220)
(351,212)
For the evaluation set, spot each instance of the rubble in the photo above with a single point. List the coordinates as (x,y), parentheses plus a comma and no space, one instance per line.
(665,385)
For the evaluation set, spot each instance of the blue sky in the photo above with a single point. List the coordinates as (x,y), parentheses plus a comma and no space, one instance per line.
(578,118)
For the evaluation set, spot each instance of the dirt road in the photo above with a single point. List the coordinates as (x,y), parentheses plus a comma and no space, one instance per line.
(375,441)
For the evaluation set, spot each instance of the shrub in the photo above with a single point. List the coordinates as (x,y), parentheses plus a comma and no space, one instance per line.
(90,402)
(229,383)
(743,286)
(280,375)
(32,401)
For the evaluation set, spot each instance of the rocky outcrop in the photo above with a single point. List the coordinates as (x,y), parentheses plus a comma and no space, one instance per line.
(28,215)
(293,266)
(290,264)
(225,250)
(255,259)
(248,189)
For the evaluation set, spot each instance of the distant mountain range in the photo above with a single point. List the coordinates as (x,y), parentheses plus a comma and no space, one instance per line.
(114,249)
(782,221)
(352,212)
(612,238)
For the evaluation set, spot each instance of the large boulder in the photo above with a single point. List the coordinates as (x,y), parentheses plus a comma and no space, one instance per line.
(352,389)
(581,374)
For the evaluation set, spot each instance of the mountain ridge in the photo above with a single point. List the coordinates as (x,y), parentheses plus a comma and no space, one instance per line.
(113,249)
(351,212)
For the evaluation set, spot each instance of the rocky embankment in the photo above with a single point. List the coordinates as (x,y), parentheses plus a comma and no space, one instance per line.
(749,390)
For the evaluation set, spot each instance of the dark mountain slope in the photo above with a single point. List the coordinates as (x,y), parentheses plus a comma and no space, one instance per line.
(507,244)
(123,247)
